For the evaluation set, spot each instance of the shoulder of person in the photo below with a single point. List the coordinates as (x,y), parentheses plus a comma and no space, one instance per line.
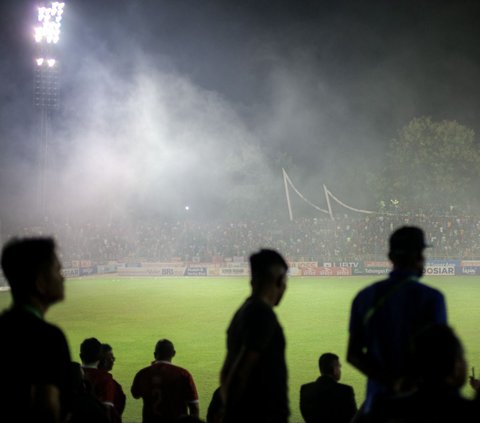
(344,387)
(430,290)
(182,370)
(366,293)
(106,374)
(307,386)
(258,309)
(145,370)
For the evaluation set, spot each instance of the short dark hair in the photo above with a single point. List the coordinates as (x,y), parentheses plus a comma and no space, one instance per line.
(164,350)
(326,363)
(23,260)
(90,350)
(261,263)
(106,348)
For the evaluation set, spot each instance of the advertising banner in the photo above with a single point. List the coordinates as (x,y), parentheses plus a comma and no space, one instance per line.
(86,271)
(351,264)
(234,271)
(168,271)
(445,262)
(152,271)
(157,265)
(359,270)
(444,269)
(131,271)
(380,264)
(305,268)
(469,270)
(196,271)
(327,271)
(70,272)
(234,264)
(294,271)
(379,268)
(376,270)
(213,271)
(470,263)
(305,264)
(106,268)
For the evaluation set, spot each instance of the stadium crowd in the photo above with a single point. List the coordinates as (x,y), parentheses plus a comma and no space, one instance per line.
(347,238)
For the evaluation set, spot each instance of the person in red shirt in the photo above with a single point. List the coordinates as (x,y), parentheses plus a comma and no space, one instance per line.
(100,380)
(168,391)
(107,359)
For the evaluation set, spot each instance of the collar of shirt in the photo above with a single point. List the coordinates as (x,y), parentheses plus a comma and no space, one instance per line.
(403,274)
(30,309)
(161,361)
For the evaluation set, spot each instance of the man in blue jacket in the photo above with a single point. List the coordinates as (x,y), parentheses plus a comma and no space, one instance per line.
(387,315)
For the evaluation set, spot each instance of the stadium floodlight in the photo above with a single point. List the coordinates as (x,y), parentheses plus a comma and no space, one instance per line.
(50,19)
(42,61)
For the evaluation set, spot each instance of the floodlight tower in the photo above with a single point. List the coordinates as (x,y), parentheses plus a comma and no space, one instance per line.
(46,35)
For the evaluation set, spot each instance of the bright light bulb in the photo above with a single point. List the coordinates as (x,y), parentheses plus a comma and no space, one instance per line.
(38,34)
(40,61)
(41,13)
(51,18)
(51,63)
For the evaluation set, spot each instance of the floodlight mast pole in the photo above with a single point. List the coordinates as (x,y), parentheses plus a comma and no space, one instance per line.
(46,35)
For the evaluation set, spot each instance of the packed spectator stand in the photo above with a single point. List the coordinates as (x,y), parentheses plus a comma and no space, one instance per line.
(345,238)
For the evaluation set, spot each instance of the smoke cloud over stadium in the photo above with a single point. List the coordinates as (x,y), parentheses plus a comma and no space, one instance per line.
(200,104)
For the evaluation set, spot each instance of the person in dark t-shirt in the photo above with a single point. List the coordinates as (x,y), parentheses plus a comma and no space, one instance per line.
(254,374)
(34,356)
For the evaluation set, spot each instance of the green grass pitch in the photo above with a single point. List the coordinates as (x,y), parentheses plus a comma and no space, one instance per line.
(131,314)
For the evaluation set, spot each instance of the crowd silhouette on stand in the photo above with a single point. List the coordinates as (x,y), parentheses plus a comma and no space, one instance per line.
(347,238)
(399,338)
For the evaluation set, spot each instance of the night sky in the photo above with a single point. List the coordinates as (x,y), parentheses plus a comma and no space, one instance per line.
(199,102)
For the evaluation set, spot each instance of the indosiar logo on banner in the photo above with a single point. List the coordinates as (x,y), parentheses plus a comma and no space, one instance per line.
(441,267)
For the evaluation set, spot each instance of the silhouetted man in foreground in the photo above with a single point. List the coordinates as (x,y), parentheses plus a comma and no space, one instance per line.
(326,400)
(34,356)
(254,375)
(387,315)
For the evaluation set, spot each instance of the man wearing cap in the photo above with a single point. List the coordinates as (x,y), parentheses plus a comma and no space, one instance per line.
(386,316)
